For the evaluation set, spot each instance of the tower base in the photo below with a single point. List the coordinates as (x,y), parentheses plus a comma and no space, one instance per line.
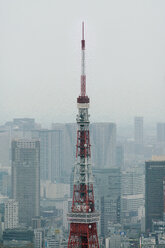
(83,236)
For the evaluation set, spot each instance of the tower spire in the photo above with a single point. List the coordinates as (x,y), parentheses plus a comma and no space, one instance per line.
(82,30)
(83,76)
(83,40)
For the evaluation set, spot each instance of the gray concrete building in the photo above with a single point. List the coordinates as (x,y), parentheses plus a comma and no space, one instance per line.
(69,131)
(138,130)
(107,187)
(120,156)
(132,182)
(26,178)
(154,174)
(51,153)
(4,148)
(160,132)
(103,144)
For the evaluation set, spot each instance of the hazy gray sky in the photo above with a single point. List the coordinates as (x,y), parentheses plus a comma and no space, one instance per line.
(40,59)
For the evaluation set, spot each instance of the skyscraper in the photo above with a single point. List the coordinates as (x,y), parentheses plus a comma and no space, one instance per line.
(138,130)
(26,178)
(107,187)
(132,194)
(119,156)
(4,148)
(132,182)
(160,132)
(51,153)
(68,145)
(154,174)
(103,139)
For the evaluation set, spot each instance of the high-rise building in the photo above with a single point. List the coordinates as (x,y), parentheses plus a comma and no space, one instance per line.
(26,178)
(51,153)
(68,145)
(160,132)
(4,148)
(56,155)
(119,156)
(45,153)
(138,130)
(11,214)
(107,186)
(154,174)
(132,194)
(103,139)
(132,182)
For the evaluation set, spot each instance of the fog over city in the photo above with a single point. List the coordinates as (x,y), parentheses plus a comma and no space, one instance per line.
(40,59)
(82,123)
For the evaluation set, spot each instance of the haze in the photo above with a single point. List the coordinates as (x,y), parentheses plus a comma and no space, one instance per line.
(40,59)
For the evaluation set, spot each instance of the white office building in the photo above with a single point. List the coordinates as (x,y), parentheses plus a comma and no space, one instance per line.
(11,214)
(38,236)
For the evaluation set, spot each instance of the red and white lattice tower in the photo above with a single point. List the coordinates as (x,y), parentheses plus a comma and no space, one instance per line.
(83,217)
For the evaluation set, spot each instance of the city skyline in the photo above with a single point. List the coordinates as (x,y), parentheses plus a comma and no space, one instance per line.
(70,177)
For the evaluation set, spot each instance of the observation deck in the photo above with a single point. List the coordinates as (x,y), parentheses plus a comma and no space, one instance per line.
(84,218)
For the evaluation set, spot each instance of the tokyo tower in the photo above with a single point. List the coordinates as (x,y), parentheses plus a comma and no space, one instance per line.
(83,218)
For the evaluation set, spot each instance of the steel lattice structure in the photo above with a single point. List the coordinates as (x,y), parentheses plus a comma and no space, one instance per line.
(83,217)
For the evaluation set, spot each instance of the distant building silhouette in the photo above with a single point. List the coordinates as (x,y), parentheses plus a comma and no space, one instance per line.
(160,132)
(103,144)
(26,178)
(4,145)
(103,147)
(24,123)
(68,143)
(138,130)
(119,156)
(51,153)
